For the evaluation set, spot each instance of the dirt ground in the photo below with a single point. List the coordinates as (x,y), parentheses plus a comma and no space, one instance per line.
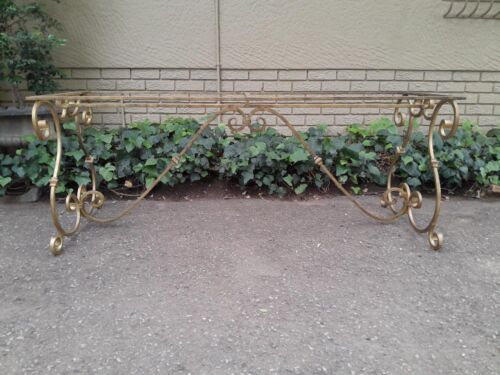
(235,285)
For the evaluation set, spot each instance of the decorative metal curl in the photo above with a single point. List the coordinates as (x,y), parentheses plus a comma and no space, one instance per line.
(259,125)
(95,199)
(399,119)
(448,128)
(389,200)
(399,116)
(70,109)
(86,117)
(232,122)
(41,126)
(56,245)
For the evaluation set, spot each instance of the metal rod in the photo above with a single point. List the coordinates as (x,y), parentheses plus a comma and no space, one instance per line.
(228,97)
(487,10)
(462,10)
(463,14)
(474,10)
(217,47)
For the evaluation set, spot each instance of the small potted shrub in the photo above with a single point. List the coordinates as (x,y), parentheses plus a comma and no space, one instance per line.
(26,45)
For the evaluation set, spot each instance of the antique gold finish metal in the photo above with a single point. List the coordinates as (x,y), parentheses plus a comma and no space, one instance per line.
(247,112)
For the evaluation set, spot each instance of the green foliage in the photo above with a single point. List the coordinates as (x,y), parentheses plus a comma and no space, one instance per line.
(143,150)
(355,158)
(279,164)
(26,44)
(267,159)
(137,154)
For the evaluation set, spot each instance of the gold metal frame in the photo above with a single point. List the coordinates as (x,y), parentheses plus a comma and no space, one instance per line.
(246,109)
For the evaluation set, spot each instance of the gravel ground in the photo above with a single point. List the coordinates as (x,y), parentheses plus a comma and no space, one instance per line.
(251,286)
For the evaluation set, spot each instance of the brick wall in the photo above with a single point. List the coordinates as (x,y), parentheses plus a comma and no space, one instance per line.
(481,89)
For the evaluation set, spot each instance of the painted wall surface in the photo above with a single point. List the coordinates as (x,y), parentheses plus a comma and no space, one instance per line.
(136,33)
(313,34)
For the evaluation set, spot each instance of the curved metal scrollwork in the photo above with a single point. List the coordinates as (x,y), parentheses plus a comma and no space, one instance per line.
(447,129)
(400,200)
(258,124)
(74,203)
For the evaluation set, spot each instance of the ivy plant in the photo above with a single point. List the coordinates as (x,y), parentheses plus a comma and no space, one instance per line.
(135,156)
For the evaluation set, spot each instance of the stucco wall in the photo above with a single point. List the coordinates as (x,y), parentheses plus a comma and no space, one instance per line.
(481,91)
(300,34)
(289,45)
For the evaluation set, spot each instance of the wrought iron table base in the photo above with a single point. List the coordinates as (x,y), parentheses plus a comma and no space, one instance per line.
(399,200)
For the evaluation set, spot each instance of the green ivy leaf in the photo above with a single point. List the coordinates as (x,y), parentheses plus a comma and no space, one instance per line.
(247,176)
(492,166)
(341,170)
(19,170)
(44,181)
(367,155)
(4,181)
(30,138)
(407,159)
(207,143)
(257,148)
(82,180)
(300,189)
(374,170)
(69,126)
(106,138)
(268,180)
(129,147)
(138,167)
(77,154)
(61,188)
(356,190)
(288,179)
(151,161)
(43,158)
(150,181)
(107,172)
(299,155)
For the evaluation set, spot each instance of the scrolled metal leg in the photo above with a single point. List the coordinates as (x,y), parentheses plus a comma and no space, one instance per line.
(411,200)
(86,201)
(42,130)
(446,130)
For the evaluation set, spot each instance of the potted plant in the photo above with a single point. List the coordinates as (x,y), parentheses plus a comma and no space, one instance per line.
(26,45)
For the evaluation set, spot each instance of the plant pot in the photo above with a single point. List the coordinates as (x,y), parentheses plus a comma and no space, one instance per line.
(21,192)
(15,124)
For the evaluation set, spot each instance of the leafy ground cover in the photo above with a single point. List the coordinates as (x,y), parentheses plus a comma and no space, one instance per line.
(277,164)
